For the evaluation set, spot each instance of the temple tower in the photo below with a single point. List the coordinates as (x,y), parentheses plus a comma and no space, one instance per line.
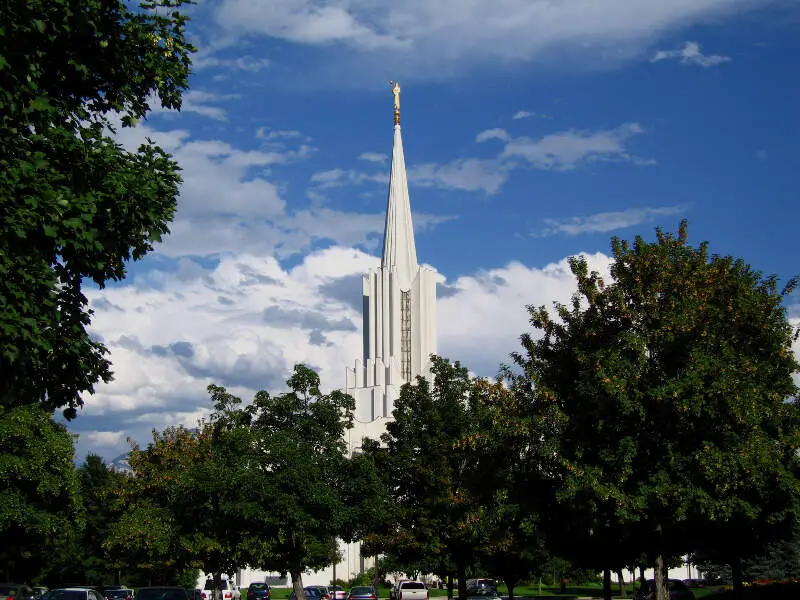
(399,310)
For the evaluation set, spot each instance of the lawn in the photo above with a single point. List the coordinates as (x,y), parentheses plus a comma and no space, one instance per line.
(522,591)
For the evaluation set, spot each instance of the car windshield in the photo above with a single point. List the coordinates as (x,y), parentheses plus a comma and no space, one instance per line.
(160,594)
(258,586)
(118,593)
(361,591)
(413,585)
(223,585)
(66,595)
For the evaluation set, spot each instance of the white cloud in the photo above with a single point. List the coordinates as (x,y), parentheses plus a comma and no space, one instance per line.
(561,151)
(523,114)
(278,134)
(245,323)
(493,134)
(229,202)
(568,149)
(200,102)
(340,177)
(375,157)
(690,54)
(435,39)
(467,174)
(246,63)
(103,438)
(609,221)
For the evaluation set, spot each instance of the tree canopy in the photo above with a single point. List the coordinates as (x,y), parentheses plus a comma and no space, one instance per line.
(673,383)
(75,205)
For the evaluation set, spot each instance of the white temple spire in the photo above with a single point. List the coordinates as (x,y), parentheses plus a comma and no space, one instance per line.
(399,247)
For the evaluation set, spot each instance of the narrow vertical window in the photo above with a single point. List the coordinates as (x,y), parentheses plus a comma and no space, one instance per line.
(405,336)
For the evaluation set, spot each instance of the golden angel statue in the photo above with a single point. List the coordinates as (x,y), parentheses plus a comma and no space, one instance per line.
(396,91)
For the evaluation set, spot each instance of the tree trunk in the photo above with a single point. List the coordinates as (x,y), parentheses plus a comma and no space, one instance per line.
(511,583)
(736,574)
(661,584)
(450,586)
(462,580)
(621,577)
(297,583)
(606,584)
(217,586)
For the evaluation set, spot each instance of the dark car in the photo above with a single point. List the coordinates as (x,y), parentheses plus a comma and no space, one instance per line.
(195,593)
(362,592)
(162,592)
(312,593)
(120,593)
(259,591)
(677,590)
(16,591)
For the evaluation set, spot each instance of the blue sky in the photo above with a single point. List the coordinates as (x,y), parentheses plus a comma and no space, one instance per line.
(533,130)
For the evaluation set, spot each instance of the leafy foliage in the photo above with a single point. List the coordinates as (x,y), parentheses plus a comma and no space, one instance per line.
(435,520)
(672,385)
(74,204)
(39,496)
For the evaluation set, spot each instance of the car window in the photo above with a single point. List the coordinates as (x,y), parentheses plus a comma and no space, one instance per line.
(223,585)
(361,590)
(413,585)
(66,595)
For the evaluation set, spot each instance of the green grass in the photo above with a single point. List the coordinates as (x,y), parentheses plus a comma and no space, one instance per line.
(527,591)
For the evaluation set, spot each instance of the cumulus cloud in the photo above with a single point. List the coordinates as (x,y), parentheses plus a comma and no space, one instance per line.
(437,38)
(690,54)
(230,202)
(609,221)
(246,321)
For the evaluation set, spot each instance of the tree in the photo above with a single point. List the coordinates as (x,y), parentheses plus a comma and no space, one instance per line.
(39,499)
(291,507)
(81,556)
(511,458)
(436,520)
(179,511)
(674,384)
(74,204)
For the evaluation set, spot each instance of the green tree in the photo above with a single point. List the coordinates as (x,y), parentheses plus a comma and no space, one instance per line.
(292,508)
(74,204)
(179,511)
(674,384)
(81,556)
(39,494)
(435,523)
(510,457)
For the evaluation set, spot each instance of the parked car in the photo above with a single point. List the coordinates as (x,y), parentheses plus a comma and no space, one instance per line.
(337,592)
(259,591)
(324,591)
(74,593)
(229,589)
(162,592)
(362,592)
(312,593)
(16,591)
(119,594)
(412,590)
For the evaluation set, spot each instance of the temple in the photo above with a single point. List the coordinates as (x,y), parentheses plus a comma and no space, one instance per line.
(399,311)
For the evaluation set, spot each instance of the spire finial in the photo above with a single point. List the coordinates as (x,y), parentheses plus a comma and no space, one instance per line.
(396,91)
